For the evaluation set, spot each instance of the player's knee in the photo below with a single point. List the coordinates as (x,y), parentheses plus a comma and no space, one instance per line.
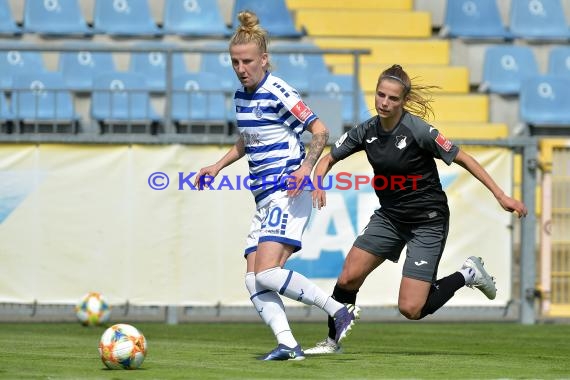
(410,310)
(346,281)
(265,279)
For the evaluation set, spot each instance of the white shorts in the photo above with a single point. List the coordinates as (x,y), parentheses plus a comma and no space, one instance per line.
(282,220)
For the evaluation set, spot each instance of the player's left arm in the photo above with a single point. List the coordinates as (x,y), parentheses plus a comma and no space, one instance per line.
(472,166)
(320,137)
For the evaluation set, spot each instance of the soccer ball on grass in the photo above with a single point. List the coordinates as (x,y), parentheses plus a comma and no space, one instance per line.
(122,346)
(93,309)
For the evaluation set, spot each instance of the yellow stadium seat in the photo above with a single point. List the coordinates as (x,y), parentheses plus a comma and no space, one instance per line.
(461,108)
(364,23)
(404,5)
(385,52)
(474,131)
(470,108)
(450,79)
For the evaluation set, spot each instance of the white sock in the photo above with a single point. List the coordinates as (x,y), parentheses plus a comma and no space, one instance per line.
(469,274)
(271,310)
(297,287)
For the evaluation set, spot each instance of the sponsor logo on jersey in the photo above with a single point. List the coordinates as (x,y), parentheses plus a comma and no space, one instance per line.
(444,143)
(301,111)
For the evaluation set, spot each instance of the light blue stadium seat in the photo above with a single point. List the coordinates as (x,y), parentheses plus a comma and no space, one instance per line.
(79,68)
(545,101)
(473,19)
(122,98)
(7,23)
(559,61)
(538,20)
(220,64)
(274,16)
(194,18)
(198,100)
(297,67)
(505,67)
(152,65)
(341,87)
(42,96)
(14,62)
(55,17)
(129,18)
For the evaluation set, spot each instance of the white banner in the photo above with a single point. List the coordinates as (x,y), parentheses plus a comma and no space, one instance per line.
(78,218)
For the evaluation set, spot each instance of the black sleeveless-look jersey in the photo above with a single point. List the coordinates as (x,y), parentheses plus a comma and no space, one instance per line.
(406,179)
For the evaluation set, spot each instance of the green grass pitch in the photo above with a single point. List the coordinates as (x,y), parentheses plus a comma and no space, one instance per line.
(228,351)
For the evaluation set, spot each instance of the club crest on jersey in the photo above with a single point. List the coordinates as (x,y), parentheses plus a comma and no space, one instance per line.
(301,111)
(257,111)
(444,143)
(401,142)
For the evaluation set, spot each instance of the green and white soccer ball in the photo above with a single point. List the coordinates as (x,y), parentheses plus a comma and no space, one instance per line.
(122,346)
(93,309)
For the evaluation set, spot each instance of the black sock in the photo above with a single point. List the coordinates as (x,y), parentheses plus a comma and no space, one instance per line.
(441,292)
(343,296)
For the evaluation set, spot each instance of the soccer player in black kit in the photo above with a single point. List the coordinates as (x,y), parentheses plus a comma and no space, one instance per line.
(400,144)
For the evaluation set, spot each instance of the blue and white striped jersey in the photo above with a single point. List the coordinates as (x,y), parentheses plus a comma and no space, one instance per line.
(271,121)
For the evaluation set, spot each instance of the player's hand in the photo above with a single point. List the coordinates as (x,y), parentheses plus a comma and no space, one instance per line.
(205,177)
(297,180)
(512,205)
(319,198)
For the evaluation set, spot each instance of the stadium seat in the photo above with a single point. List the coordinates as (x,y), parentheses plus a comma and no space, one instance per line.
(127,18)
(386,51)
(473,130)
(401,5)
(538,20)
(42,97)
(7,23)
(349,22)
(122,99)
(194,18)
(297,67)
(220,64)
(197,100)
(340,87)
(559,61)
(152,65)
(545,101)
(79,68)
(55,17)
(505,67)
(473,19)
(273,15)
(14,62)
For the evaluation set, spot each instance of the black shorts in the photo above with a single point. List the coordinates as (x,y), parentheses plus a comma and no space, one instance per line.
(425,243)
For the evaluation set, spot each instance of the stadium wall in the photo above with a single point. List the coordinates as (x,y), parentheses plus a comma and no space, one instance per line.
(80,217)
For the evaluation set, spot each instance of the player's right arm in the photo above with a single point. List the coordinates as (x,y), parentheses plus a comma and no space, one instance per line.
(236,152)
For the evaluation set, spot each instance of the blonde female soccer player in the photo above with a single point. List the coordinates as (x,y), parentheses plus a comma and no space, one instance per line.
(271,117)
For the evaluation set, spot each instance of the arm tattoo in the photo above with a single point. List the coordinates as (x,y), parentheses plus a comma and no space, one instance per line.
(316,147)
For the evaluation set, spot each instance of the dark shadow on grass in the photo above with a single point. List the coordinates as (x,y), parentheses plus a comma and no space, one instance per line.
(125,370)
